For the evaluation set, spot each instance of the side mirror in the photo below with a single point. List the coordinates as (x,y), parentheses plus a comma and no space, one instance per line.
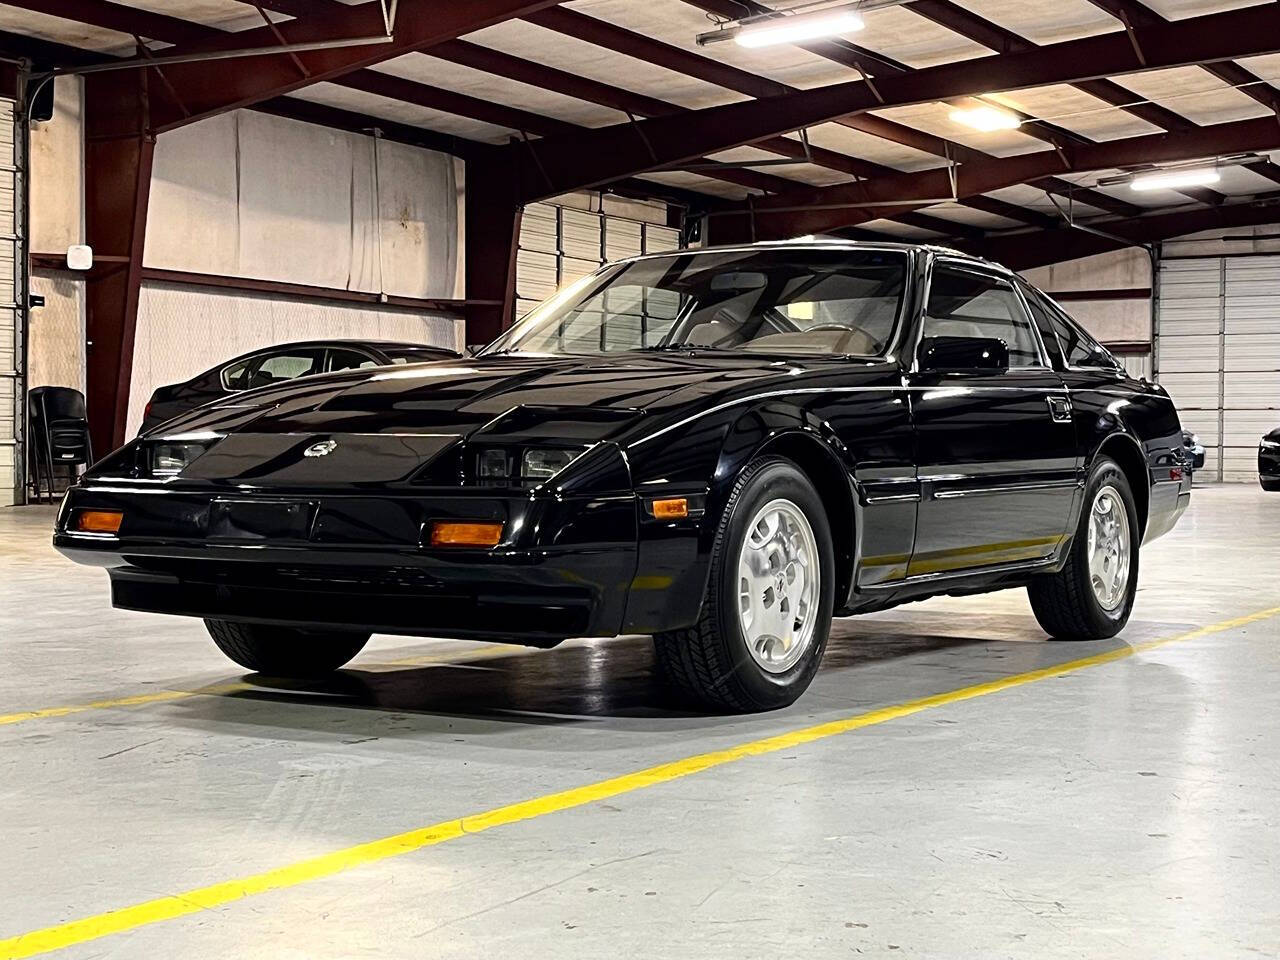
(963,354)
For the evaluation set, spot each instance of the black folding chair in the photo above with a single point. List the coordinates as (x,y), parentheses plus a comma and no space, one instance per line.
(58,435)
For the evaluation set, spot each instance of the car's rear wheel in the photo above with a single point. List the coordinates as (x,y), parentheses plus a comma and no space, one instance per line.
(767,612)
(285,651)
(1092,596)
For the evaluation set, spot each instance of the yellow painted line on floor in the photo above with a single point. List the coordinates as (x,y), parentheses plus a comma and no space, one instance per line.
(226,689)
(160,696)
(315,868)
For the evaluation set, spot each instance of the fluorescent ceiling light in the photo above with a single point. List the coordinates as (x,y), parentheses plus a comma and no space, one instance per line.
(1173,179)
(987,119)
(799,27)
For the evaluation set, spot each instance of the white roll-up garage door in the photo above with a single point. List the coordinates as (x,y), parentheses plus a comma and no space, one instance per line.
(11,401)
(559,244)
(1251,361)
(1218,354)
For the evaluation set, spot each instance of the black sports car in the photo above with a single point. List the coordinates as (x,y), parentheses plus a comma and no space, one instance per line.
(1269,461)
(271,365)
(722,448)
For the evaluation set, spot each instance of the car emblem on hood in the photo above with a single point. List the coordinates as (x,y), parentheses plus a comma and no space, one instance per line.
(321,449)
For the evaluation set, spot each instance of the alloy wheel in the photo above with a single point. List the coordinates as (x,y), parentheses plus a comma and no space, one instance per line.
(778,586)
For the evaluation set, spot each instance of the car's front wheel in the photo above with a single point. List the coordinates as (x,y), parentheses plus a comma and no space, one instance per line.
(1092,596)
(767,611)
(285,651)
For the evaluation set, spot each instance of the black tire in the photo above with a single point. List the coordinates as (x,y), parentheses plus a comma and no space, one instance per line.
(285,651)
(709,663)
(1064,603)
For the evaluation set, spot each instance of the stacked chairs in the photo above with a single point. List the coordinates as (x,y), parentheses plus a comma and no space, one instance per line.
(58,436)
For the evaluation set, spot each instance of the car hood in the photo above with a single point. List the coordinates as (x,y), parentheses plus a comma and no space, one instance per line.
(458,398)
(382,425)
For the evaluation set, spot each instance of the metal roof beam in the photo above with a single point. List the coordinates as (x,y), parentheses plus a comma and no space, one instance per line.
(528,122)
(615,38)
(1022,251)
(590,158)
(819,210)
(970,25)
(593,91)
(207,88)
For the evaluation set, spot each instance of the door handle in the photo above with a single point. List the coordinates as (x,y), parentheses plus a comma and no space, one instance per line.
(1059,409)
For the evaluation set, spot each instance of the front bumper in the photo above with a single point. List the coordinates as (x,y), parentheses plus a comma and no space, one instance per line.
(564,568)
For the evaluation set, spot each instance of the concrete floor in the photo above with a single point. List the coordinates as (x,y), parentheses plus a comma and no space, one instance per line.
(1126,810)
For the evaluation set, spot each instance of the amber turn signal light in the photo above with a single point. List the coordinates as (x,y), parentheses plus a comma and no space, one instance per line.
(99,521)
(676,508)
(468,534)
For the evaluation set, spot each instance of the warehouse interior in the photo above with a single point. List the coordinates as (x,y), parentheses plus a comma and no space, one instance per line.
(183,184)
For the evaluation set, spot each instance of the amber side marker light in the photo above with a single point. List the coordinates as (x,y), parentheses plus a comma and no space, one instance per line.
(473,534)
(674,509)
(99,521)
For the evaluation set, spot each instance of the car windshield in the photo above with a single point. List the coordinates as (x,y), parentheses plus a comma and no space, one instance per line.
(786,301)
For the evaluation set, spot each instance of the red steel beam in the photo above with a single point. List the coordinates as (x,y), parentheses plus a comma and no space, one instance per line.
(593,91)
(878,65)
(1001,40)
(1250,84)
(212,87)
(970,25)
(1021,251)
(678,60)
(110,15)
(462,105)
(818,210)
(117,190)
(326,116)
(594,157)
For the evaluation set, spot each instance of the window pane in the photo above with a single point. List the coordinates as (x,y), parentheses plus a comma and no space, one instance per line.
(1080,349)
(286,366)
(964,304)
(348,360)
(236,376)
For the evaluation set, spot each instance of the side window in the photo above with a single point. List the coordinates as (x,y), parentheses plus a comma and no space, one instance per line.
(348,360)
(964,303)
(286,365)
(236,376)
(1078,348)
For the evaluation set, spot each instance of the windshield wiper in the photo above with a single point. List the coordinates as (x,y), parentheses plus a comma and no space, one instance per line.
(682,347)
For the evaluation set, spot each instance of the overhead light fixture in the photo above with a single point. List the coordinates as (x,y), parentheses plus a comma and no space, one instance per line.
(1175,176)
(1174,179)
(987,118)
(810,21)
(800,27)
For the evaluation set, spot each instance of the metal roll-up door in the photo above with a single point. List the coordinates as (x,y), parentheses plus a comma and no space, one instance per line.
(560,244)
(1251,361)
(1189,344)
(12,291)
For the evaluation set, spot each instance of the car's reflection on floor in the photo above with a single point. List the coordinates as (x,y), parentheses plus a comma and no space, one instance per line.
(609,678)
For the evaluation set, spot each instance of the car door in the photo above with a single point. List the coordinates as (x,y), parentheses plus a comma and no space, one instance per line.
(995,448)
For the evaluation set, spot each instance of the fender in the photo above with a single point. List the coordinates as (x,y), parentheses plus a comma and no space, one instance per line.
(683,551)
